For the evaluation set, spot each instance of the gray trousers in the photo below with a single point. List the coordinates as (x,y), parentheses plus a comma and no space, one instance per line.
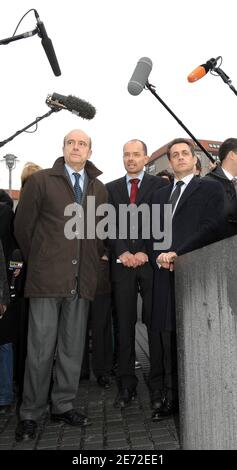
(57,328)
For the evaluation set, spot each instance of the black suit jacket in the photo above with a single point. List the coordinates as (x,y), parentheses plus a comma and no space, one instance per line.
(196,223)
(117,195)
(230,201)
(9,322)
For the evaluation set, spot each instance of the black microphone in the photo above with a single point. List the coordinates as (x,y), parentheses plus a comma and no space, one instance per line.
(48,46)
(77,106)
(140,75)
(15,263)
(202,70)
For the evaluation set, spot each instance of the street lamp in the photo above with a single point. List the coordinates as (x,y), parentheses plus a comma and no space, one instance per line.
(10,161)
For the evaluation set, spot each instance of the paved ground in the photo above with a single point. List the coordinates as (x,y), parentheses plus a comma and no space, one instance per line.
(111,428)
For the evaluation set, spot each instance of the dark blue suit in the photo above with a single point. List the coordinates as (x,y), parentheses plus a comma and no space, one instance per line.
(196,222)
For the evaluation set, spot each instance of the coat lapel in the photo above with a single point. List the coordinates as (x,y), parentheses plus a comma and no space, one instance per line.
(122,189)
(142,190)
(166,192)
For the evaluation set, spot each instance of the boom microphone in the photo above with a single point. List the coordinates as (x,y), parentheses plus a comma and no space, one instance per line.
(202,70)
(71,103)
(140,76)
(48,46)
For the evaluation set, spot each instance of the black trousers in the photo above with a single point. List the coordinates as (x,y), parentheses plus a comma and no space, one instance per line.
(127,283)
(101,331)
(163,364)
(100,326)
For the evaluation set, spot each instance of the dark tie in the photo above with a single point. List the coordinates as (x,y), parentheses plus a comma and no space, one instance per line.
(175,194)
(234,181)
(134,187)
(77,188)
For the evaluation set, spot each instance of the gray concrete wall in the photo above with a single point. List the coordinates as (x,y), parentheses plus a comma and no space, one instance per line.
(206,304)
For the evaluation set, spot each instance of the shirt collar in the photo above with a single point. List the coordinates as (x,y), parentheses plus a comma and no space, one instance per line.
(140,176)
(71,170)
(185,179)
(227,174)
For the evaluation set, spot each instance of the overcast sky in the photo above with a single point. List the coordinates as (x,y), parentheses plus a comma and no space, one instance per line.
(98,43)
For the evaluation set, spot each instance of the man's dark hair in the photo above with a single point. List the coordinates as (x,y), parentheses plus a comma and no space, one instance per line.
(180,141)
(5,198)
(198,165)
(226,147)
(165,173)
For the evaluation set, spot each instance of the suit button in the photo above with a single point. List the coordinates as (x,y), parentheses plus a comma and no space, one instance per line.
(74,261)
(73,291)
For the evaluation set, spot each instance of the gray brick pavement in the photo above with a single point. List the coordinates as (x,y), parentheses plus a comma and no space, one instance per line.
(111,429)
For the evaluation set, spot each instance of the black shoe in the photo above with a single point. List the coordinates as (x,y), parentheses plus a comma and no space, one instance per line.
(104,381)
(26,430)
(71,417)
(157,400)
(124,398)
(167,409)
(157,415)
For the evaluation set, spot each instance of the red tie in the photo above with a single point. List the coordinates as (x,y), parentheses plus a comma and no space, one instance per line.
(134,187)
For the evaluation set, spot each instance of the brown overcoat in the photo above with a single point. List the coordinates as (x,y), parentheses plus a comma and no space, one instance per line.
(57,266)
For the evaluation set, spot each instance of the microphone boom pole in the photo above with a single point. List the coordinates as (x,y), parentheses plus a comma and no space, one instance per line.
(4,142)
(151,88)
(225,78)
(28,34)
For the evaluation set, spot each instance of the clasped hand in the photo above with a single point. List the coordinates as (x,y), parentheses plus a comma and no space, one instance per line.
(166,260)
(133,261)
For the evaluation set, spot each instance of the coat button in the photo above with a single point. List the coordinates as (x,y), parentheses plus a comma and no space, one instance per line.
(74,261)
(73,291)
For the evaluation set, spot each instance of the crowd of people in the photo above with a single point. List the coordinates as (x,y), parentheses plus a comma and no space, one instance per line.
(75,288)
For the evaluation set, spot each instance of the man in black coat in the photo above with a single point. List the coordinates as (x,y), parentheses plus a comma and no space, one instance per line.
(131,270)
(6,224)
(226,174)
(197,214)
(9,319)
(4,290)
(8,324)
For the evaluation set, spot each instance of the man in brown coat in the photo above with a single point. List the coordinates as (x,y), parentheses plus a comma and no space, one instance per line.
(62,271)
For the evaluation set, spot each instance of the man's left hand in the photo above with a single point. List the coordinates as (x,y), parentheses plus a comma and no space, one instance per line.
(141,258)
(166,260)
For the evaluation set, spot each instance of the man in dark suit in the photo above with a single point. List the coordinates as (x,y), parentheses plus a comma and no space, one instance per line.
(131,270)
(226,174)
(197,213)
(9,320)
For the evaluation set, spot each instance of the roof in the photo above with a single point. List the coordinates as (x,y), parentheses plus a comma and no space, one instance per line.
(205,143)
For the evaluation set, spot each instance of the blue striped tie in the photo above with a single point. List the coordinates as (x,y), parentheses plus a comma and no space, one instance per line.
(77,188)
